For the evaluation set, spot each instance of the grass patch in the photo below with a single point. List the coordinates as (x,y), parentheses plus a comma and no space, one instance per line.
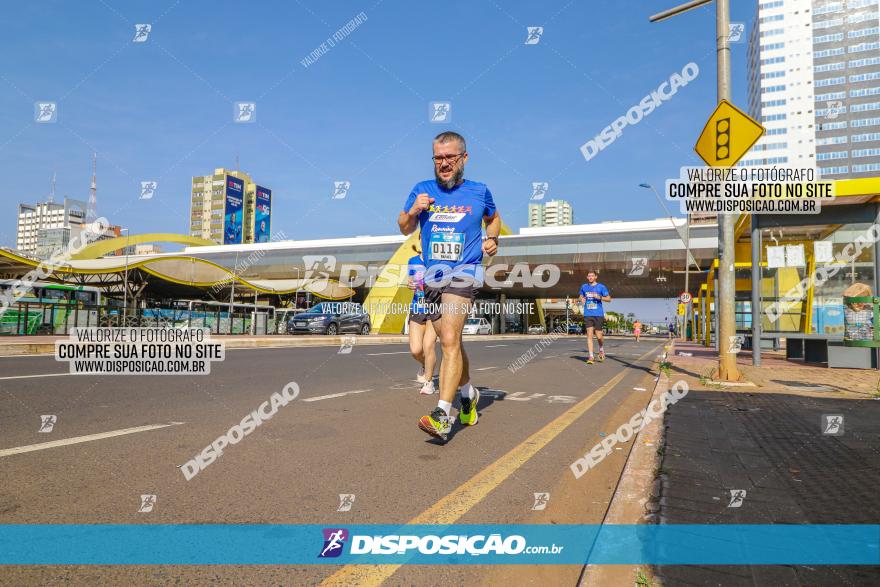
(642,579)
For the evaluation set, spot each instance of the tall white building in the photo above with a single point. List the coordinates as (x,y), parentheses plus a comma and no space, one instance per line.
(814,83)
(552,213)
(42,220)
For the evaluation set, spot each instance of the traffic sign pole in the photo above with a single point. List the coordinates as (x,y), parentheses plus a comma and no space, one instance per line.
(726,298)
(727,370)
(687,274)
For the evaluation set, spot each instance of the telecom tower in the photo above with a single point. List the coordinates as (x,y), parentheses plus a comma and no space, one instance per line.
(92,211)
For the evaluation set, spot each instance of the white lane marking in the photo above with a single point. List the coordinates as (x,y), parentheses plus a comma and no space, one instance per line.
(38,375)
(485,368)
(394,353)
(639,389)
(88,438)
(332,395)
(490,346)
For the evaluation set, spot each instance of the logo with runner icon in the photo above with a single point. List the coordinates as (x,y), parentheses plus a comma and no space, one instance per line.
(340,189)
(47,422)
(539,190)
(832,424)
(534,35)
(346,500)
(541,501)
(334,540)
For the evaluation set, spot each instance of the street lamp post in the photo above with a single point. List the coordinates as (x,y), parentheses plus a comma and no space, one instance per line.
(125,280)
(724,309)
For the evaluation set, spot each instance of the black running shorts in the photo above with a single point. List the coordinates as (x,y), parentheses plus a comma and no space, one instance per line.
(595,322)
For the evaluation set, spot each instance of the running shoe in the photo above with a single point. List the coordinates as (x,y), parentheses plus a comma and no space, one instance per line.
(427,388)
(438,424)
(468,414)
(590,360)
(601,356)
(420,376)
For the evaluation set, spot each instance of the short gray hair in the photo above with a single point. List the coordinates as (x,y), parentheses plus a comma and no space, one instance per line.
(448,136)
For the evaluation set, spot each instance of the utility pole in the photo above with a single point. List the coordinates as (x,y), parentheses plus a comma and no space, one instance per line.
(125,280)
(687,275)
(725,301)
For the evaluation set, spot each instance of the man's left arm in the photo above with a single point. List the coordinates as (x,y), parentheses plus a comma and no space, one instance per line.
(607,296)
(493,229)
(493,224)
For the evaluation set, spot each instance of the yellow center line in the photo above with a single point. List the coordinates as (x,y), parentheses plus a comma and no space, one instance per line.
(461,500)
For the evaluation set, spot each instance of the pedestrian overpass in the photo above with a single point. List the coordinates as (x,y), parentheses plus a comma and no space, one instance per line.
(634,259)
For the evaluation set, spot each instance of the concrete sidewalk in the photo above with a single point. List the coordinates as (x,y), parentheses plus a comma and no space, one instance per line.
(770,442)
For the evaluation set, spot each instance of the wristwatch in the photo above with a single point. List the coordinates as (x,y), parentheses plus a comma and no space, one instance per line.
(494,238)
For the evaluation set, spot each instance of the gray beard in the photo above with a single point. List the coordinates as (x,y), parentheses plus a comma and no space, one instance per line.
(453,181)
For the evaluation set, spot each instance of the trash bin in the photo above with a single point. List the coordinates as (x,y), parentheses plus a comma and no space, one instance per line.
(860,315)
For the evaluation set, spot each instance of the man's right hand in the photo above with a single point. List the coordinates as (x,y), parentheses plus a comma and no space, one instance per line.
(410,283)
(422,203)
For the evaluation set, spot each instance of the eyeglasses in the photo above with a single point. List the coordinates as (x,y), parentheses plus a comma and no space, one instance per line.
(451,159)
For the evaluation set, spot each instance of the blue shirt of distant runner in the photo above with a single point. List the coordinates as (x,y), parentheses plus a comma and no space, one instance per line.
(417,265)
(593,295)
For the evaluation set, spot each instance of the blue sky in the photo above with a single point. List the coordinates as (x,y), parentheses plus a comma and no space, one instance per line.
(162,110)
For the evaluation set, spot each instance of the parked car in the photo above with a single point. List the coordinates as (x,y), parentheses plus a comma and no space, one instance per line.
(477,326)
(331,318)
(536,329)
(575,328)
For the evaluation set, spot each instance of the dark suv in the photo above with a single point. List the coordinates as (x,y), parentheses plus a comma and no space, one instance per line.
(330,318)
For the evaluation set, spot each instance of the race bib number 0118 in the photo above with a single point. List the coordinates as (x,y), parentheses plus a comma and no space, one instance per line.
(446,246)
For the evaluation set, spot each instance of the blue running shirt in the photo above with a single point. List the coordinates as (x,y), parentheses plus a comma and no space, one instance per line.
(452,229)
(593,301)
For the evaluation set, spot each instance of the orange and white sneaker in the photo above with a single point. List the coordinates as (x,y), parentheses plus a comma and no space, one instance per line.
(438,424)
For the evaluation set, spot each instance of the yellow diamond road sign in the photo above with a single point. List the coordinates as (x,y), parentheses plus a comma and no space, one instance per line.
(728,135)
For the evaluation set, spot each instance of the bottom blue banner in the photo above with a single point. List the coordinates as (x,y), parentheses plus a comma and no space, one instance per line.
(280,544)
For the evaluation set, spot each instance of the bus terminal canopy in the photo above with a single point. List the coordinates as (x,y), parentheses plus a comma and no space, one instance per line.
(176,275)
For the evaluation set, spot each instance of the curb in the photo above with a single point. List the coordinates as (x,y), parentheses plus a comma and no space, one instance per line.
(637,495)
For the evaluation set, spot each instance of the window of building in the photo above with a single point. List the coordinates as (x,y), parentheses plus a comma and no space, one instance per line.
(831,141)
(827,38)
(827,24)
(833,170)
(830,96)
(836,66)
(828,9)
(832,155)
(863,33)
(865,107)
(864,62)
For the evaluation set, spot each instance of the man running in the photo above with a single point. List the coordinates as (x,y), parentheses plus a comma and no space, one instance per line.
(422,337)
(637,329)
(592,294)
(450,211)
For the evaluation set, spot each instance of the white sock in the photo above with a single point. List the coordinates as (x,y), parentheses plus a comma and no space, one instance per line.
(445,406)
(467,390)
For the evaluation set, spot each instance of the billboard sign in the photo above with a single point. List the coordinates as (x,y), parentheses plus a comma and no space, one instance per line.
(233,211)
(262,215)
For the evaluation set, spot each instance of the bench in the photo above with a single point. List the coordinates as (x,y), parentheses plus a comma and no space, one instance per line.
(825,348)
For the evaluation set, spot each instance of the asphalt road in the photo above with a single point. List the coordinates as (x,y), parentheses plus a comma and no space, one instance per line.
(352,430)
